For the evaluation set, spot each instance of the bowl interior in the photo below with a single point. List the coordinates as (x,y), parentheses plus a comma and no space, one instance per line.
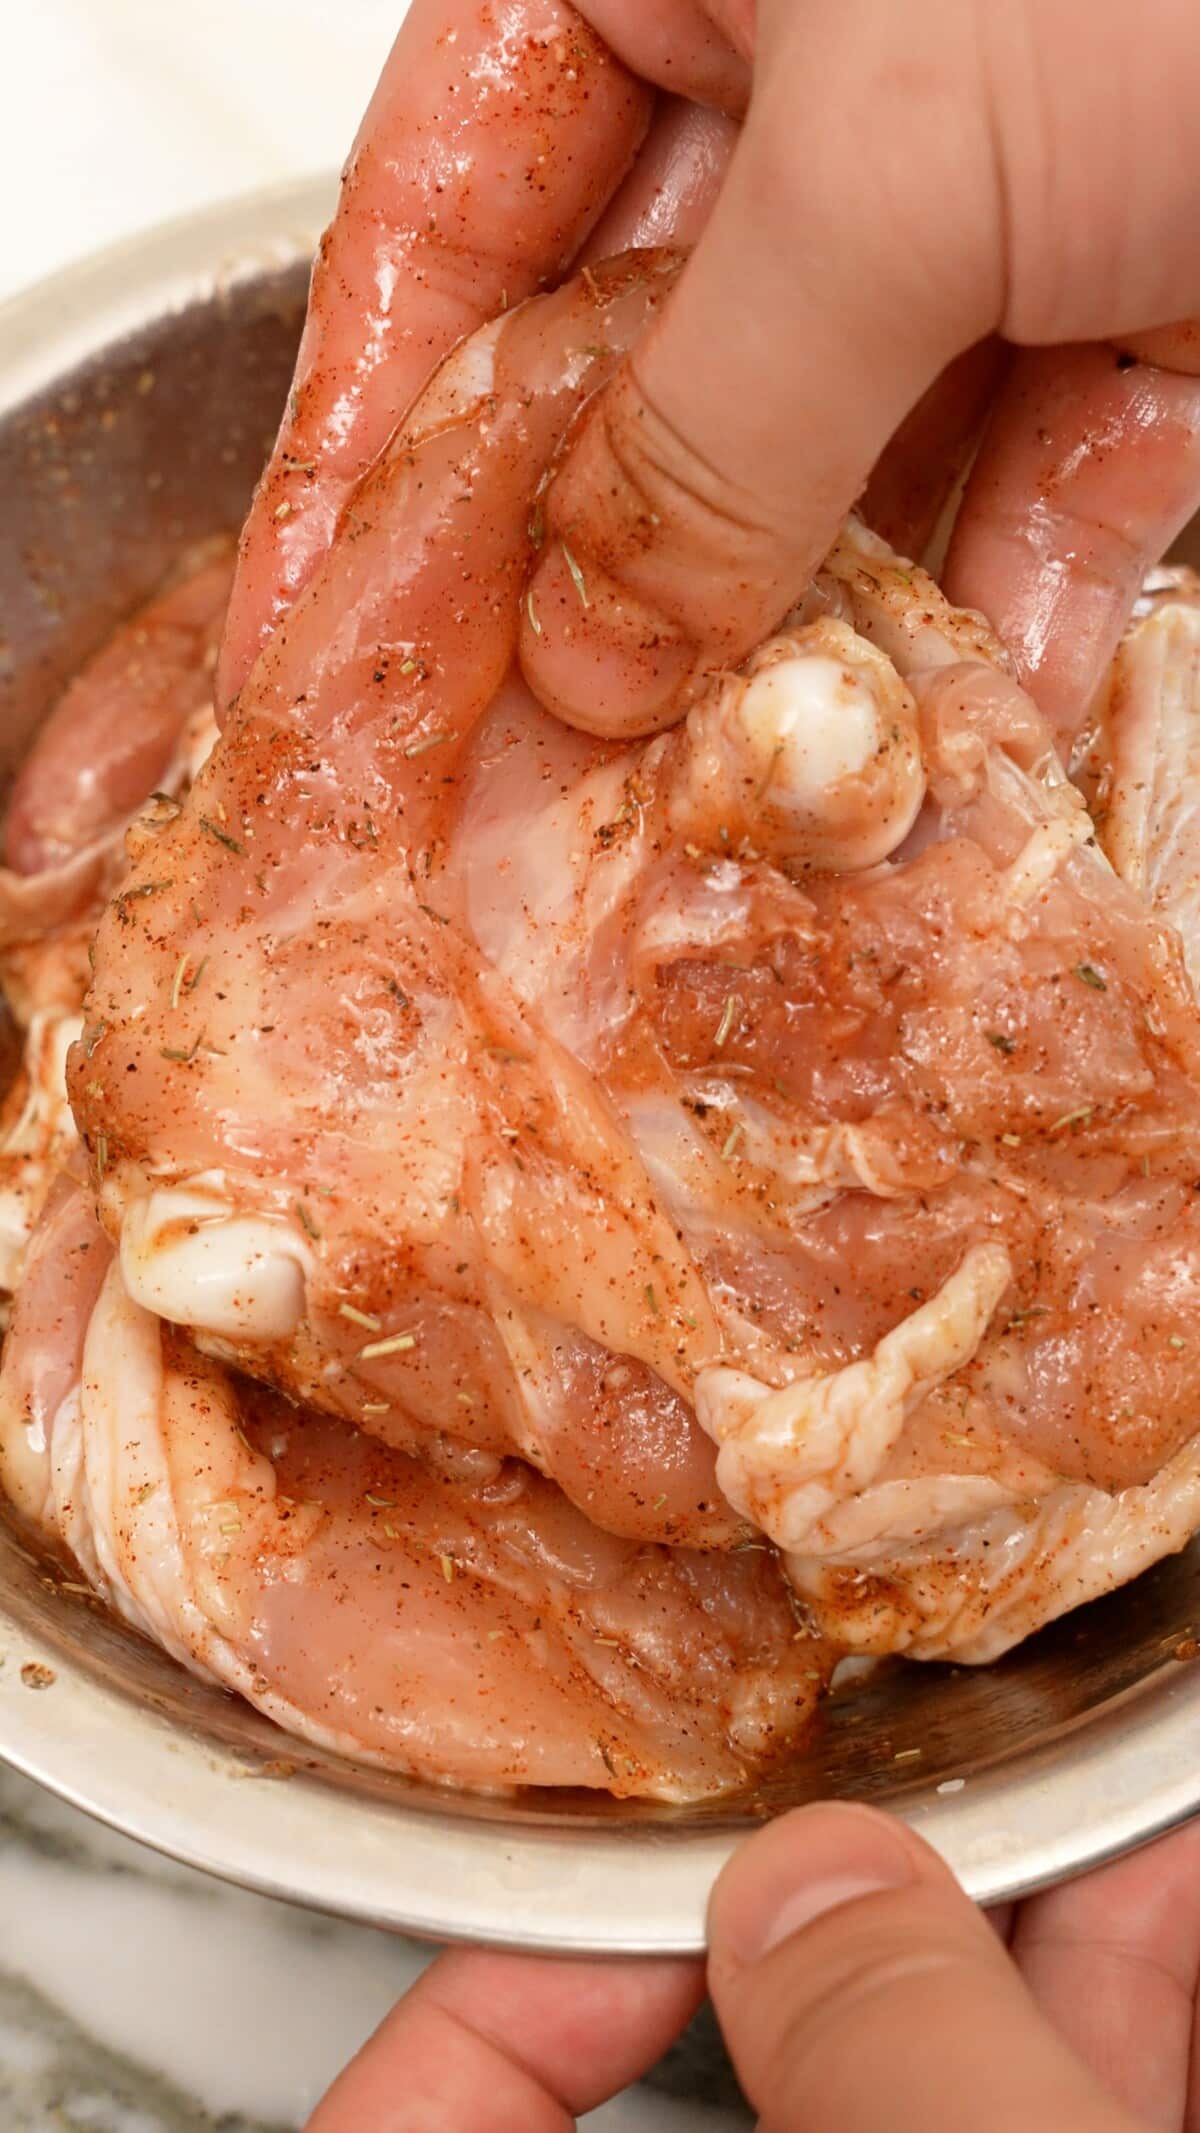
(148,441)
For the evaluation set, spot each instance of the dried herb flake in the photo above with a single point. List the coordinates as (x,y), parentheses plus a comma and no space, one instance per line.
(213,829)
(360,1318)
(396,1344)
(577,577)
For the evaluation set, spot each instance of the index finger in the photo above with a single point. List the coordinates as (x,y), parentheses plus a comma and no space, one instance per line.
(492,2042)
(493,141)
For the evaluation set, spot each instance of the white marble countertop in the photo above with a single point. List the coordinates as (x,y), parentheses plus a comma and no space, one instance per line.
(140,1997)
(135,1996)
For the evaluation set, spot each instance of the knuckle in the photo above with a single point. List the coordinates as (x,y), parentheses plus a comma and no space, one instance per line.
(652,511)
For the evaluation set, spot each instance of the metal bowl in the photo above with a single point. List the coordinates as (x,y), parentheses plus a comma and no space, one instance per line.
(138,396)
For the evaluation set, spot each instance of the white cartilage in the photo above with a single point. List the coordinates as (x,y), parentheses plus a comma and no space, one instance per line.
(813,753)
(820,721)
(186,1256)
(998,1574)
(790,1454)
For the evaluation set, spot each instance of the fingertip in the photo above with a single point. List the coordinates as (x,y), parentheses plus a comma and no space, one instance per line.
(654,570)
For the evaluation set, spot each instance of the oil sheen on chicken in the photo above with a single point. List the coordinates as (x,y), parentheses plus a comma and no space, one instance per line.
(786,1122)
(478,1633)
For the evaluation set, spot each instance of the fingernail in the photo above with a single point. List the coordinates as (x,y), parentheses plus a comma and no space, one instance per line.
(808,1864)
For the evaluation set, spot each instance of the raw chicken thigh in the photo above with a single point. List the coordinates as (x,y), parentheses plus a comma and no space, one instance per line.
(568,1237)
(137,716)
(115,733)
(1011,1433)
(480,1633)
(784,1120)
(329,1132)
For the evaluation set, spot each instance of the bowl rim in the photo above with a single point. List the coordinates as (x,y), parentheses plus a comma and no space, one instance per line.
(1035,1817)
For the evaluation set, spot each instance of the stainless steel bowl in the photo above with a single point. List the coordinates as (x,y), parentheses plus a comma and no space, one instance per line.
(138,395)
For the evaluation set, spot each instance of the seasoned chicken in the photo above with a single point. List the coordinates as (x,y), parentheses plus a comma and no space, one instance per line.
(1143,757)
(1020,1438)
(485,1636)
(787,1120)
(330,1134)
(115,732)
(138,715)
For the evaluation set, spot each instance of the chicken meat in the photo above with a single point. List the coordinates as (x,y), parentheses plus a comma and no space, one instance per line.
(480,1634)
(477,1634)
(782,1124)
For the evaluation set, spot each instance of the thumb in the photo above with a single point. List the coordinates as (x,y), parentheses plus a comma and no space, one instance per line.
(703,486)
(860,1991)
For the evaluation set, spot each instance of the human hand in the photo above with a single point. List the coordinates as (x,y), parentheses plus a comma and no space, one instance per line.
(849,260)
(859,1992)
(909,182)
(907,185)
